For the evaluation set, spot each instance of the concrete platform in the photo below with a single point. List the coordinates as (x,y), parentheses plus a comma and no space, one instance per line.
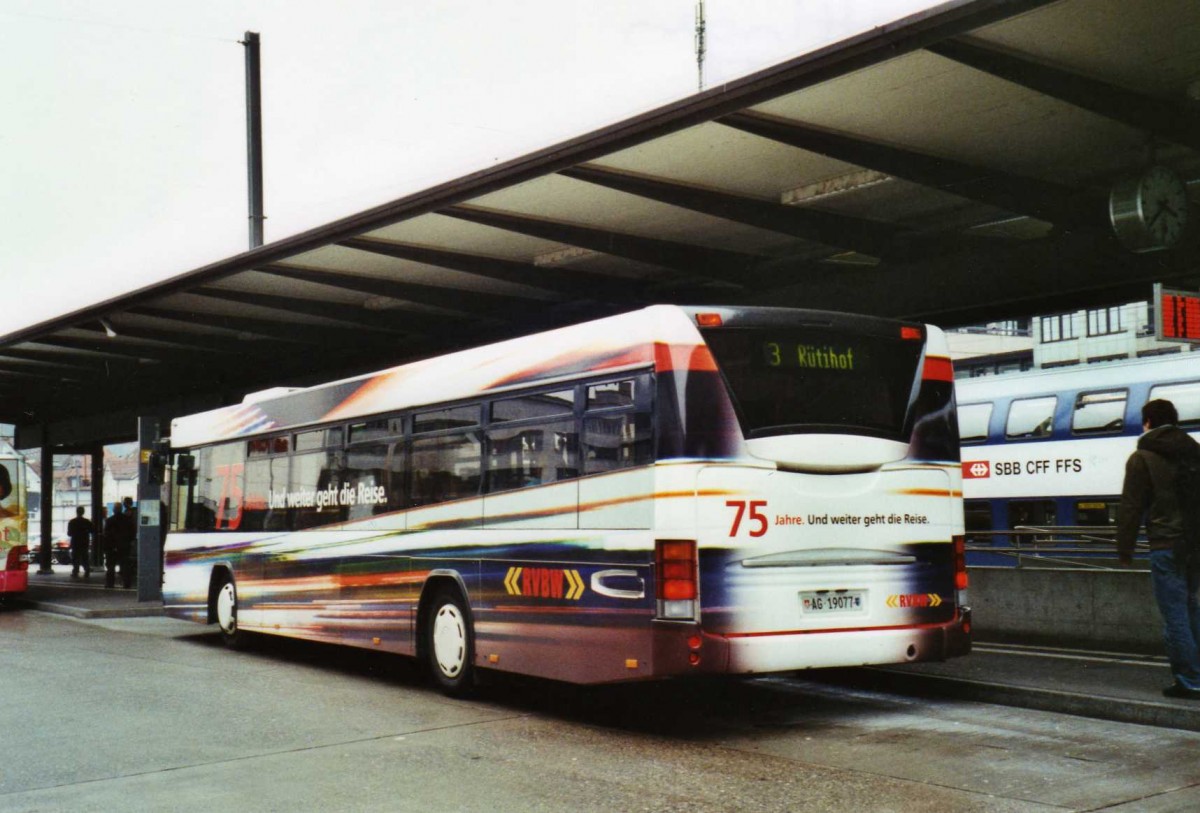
(1104,685)
(1122,687)
(58,593)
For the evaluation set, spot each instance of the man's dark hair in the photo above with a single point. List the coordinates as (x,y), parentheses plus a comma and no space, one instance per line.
(1159,412)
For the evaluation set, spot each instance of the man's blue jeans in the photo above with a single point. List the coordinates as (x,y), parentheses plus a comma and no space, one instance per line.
(1178,599)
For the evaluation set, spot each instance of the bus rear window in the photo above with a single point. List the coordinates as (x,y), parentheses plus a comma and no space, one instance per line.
(817,379)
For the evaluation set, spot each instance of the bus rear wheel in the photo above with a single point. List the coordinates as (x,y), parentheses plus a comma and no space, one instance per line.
(450,643)
(226,612)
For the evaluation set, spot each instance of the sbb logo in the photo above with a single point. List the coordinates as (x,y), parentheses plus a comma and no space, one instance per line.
(976,469)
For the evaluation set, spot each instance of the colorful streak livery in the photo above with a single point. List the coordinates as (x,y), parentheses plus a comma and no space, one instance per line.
(667,492)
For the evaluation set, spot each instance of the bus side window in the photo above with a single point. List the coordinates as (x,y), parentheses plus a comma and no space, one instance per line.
(366,471)
(526,455)
(445,466)
(1031,417)
(313,476)
(973,420)
(264,506)
(618,426)
(1185,397)
(217,497)
(532,439)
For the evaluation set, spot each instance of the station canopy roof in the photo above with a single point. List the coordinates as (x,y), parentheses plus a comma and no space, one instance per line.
(953,167)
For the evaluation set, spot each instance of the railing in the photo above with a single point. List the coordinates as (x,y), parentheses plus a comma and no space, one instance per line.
(1084,547)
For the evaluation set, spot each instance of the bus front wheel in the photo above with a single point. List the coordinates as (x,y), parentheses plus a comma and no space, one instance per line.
(226,606)
(449,643)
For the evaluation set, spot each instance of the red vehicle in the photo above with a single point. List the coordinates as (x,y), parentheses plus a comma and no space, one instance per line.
(14,527)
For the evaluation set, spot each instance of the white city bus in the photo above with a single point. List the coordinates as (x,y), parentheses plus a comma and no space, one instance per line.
(666,492)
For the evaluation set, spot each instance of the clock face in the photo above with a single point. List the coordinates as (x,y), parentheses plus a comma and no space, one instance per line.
(1149,211)
(1163,201)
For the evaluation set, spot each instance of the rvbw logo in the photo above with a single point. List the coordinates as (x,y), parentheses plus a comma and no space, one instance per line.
(976,469)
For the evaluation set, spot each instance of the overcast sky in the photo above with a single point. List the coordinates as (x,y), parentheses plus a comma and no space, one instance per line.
(122,122)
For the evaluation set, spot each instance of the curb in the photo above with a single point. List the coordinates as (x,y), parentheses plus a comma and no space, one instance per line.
(1115,709)
(84,613)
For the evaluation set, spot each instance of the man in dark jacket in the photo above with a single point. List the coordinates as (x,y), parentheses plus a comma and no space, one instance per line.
(1149,490)
(80,531)
(117,533)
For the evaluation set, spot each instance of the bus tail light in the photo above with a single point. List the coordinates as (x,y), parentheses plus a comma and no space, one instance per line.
(18,558)
(676,589)
(960,569)
(937,368)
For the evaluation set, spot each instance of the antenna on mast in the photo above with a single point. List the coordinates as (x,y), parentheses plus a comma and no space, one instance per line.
(700,46)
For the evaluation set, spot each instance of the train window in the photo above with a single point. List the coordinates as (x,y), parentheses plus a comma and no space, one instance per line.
(1031,417)
(1185,397)
(977,515)
(973,422)
(1096,512)
(1038,513)
(1099,412)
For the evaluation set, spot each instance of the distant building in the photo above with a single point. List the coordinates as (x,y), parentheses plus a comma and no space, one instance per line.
(1066,339)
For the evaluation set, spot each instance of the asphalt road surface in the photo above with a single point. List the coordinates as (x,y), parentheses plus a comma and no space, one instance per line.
(154,714)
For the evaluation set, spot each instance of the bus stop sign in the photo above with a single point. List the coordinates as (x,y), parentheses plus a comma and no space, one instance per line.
(1176,315)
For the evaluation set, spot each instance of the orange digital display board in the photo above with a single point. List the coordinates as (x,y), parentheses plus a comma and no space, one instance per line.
(1177,316)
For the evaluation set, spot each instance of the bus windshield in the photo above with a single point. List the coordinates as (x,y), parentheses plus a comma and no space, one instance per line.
(787,380)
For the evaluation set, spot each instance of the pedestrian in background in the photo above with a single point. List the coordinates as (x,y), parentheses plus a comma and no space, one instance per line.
(115,541)
(80,530)
(1150,491)
(128,560)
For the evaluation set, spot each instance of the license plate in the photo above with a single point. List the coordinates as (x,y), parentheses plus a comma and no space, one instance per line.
(833,602)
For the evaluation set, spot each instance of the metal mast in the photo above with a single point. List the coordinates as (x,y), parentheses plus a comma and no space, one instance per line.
(700,46)
(254,161)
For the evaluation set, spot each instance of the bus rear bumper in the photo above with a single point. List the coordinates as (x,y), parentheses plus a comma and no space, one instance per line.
(757,653)
(14,581)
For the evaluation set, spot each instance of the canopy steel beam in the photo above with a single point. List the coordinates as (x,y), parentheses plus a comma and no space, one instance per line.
(945,290)
(1054,203)
(184,341)
(379,321)
(716,264)
(466,303)
(69,360)
(48,370)
(301,334)
(116,347)
(1171,121)
(568,283)
(828,228)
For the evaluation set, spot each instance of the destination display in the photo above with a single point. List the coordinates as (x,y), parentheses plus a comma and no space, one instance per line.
(807,356)
(799,379)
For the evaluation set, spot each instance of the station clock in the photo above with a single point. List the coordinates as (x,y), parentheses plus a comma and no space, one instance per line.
(1149,210)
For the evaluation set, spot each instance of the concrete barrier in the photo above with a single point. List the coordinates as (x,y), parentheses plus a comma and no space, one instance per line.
(1094,609)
